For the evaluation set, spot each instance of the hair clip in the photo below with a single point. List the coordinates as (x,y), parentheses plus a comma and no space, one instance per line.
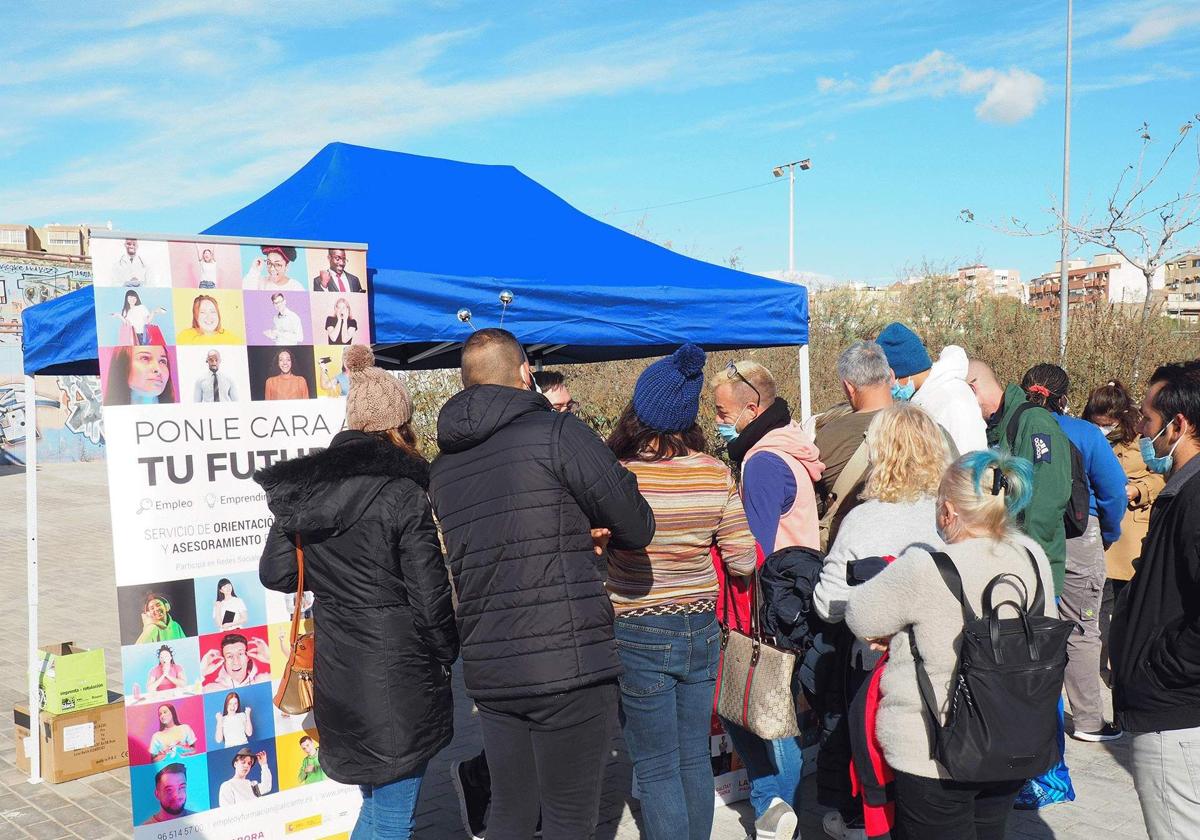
(999,481)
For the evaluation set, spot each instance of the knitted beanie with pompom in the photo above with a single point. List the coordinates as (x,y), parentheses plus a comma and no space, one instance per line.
(377,400)
(667,395)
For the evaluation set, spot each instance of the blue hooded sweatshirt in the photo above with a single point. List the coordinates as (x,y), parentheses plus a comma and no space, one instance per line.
(1106,478)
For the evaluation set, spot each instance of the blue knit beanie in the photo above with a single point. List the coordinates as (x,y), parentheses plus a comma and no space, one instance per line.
(667,395)
(905,353)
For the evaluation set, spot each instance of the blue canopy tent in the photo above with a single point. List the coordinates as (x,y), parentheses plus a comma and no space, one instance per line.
(445,235)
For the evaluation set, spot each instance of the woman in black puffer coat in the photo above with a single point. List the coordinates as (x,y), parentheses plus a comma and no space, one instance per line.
(385,633)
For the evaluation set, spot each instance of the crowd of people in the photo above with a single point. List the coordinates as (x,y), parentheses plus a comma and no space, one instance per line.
(585,582)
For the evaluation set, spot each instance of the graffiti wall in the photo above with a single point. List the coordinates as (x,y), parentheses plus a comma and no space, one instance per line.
(68,407)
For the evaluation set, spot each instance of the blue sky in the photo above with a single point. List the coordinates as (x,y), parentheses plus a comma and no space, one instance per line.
(169,115)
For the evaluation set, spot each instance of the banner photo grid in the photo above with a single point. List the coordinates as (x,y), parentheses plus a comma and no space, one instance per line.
(217,358)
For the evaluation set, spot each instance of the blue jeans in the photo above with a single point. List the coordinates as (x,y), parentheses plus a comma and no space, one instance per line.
(775,768)
(387,810)
(666,713)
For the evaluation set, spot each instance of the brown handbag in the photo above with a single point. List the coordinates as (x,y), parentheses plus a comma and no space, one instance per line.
(754,678)
(295,694)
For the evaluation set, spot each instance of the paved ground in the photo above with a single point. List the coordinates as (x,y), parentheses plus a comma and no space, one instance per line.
(78,595)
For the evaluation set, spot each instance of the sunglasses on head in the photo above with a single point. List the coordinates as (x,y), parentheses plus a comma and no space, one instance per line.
(732,370)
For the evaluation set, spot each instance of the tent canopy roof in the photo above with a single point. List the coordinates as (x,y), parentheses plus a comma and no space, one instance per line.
(444,235)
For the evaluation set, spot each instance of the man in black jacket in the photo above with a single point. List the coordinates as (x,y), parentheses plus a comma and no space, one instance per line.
(1155,631)
(518,490)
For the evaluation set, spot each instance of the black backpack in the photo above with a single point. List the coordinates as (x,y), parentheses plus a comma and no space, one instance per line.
(1075,517)
(1002,723)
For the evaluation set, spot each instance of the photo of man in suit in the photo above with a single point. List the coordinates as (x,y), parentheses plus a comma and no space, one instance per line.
(336,278)
(214,386)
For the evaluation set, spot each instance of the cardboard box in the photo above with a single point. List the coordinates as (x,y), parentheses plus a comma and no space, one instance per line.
(74,744)
(71,678)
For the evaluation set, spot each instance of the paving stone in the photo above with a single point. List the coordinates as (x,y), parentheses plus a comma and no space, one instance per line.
(46,830)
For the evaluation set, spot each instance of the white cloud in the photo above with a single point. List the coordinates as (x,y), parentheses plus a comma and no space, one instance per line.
(295,13)
(1009,96)
(1160,24)
(1012,96)
(827,84)
(933,67)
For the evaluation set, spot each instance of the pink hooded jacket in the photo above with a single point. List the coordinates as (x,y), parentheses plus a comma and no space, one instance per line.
(795,447)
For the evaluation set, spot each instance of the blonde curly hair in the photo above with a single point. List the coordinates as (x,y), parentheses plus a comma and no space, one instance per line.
(908,455)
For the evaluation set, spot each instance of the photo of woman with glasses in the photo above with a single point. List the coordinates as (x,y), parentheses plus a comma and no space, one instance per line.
(275,261)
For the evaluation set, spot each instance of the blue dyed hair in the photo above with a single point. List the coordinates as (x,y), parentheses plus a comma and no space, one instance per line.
(1017,476)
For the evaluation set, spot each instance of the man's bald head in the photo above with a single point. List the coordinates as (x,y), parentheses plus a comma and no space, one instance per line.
(494,357)
(988,391)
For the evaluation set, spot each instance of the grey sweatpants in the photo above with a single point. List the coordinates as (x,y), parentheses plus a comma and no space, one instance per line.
(1083,590)
(1166,774)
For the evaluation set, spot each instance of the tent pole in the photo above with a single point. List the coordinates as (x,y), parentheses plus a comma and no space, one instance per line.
(33,745)
(805,392)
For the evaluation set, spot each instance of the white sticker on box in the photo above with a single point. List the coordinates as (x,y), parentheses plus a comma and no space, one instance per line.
(79,737)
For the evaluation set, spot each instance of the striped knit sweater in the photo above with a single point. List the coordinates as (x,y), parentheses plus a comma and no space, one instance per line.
(695,504)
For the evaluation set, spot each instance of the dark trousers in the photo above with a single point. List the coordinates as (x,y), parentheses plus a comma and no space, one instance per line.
(1112,588)
(551,749)
(935,809)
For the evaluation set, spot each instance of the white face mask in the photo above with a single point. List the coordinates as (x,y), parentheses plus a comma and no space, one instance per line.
(533,386)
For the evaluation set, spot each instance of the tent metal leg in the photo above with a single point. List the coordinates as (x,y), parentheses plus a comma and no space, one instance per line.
(805,391)
(33,744)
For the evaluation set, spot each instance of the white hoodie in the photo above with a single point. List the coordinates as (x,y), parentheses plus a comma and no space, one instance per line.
(951,402)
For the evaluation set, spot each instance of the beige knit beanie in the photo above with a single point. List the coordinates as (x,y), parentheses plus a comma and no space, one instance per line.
(377,400)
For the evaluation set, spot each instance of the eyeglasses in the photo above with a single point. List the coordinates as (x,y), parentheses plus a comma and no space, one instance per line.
(568,407)
(732,370)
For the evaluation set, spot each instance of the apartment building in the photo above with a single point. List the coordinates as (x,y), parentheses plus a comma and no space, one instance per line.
(1109,279)
(1183,287)
(67,240)
(1002,282)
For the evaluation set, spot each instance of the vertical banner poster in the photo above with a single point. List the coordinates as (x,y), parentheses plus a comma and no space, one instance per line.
(217,357)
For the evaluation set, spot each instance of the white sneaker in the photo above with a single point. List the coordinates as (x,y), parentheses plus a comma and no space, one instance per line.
(779,822)
(835,826)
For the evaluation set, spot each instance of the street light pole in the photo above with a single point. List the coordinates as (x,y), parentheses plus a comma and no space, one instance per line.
(791,221)
(804,165)
(1064,282)
(802,360)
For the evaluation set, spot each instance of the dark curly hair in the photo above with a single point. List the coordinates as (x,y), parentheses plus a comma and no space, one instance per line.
(633,440)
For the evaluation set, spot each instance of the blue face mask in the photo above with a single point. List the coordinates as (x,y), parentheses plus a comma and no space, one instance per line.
(1160,464)
(728,431)
(903,393)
